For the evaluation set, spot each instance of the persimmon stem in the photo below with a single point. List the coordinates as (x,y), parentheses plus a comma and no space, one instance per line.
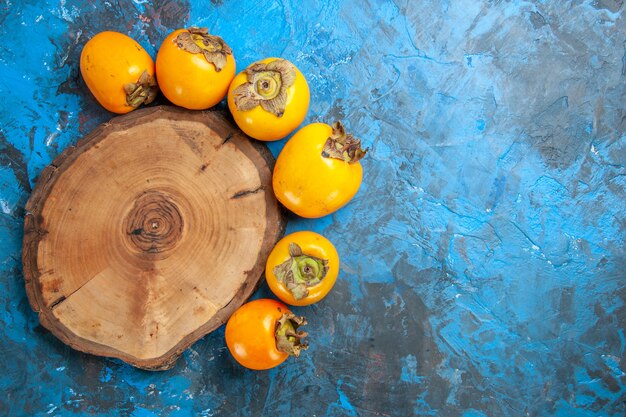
(288,338)
(266,87)
(144,91)
(342,146)
(300,271)
(198,41)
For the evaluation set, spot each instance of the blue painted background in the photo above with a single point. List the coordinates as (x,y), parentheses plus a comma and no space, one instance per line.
(483,259)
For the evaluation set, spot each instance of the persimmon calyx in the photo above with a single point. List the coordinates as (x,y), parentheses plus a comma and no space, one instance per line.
(300,271)
(345,147)
(289,339)
(198,41)
(144,91)
(266,87)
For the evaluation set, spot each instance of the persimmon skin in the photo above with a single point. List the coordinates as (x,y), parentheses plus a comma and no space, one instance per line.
(109,61)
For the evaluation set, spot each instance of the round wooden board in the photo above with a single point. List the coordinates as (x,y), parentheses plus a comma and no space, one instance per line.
(149,233)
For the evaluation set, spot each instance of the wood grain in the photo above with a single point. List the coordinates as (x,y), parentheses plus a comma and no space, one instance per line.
(149,233)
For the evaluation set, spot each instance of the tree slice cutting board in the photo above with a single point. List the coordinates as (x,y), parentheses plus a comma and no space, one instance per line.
(149,233)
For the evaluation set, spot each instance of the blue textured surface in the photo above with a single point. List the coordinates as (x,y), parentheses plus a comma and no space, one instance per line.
(483,259)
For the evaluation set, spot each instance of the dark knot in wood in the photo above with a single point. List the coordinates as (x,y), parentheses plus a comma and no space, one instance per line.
(154,224)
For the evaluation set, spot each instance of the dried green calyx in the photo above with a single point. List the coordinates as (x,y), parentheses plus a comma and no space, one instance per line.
(198,41)
(343,146)
(266,87)
(288,338)
(300,271)
(144,91)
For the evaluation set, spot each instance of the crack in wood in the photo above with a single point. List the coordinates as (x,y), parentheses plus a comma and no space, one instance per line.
(227,138)
(64,298)
(57,302)
(244,193)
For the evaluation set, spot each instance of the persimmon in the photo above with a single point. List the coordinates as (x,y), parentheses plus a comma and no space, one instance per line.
(262,334)
(302,268)
(194,68)
(269,99)
(118,72)
(318,171)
